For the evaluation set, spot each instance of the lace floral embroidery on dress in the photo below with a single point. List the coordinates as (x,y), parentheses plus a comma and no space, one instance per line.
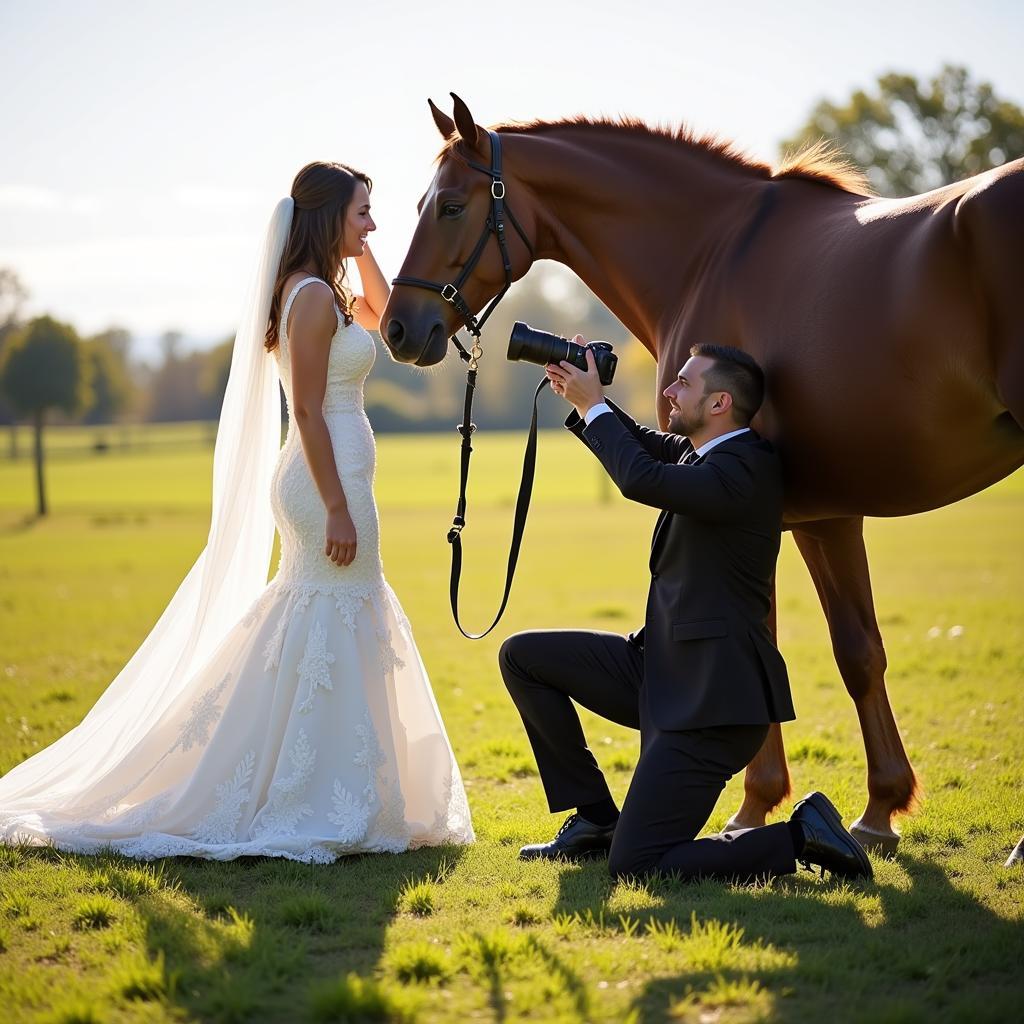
(390,662)
(352,815)
(272,652)
(138,818)
(391,830)
(370,755)
(205,712)
(285,806)
(298,602)
(221,824)
(314,669)
(349,598)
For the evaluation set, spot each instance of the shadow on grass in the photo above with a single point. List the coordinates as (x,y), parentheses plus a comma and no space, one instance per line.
(914,949)
(20,522)
(254,938)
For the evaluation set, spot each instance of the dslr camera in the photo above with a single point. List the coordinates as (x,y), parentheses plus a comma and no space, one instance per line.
(533,346)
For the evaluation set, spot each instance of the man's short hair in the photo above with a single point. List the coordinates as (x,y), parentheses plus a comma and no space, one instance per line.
(734,371)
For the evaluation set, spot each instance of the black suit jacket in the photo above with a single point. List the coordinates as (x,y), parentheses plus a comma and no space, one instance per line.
(709,657)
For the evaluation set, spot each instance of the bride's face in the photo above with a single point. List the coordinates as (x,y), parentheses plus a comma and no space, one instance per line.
(358,222)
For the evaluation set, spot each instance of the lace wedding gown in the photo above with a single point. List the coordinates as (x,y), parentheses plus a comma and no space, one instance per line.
(312,731)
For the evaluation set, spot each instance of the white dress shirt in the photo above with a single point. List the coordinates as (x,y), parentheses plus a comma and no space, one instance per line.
(602,407)
(708,445)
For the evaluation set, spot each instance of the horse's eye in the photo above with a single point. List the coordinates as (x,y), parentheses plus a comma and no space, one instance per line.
(451,210)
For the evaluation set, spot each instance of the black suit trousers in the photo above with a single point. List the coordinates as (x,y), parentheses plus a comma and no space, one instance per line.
(679,775)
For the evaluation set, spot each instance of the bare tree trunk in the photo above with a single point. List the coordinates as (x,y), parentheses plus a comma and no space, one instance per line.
(40,484)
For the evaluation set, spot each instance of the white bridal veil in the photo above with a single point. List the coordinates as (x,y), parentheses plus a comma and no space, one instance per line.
(81,768)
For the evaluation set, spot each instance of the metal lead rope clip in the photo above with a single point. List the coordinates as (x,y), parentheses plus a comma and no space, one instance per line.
(475,354)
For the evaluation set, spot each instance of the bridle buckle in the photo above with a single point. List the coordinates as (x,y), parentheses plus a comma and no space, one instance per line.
(495,186)
(449,296)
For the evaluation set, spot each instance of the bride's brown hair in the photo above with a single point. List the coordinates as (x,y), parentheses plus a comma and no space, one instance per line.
(322,192)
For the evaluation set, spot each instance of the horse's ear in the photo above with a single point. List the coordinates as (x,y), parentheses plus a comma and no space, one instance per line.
(445,125)
(467,126)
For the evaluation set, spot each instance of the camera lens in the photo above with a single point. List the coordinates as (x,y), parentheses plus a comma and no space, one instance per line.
(532,346)
(527,344)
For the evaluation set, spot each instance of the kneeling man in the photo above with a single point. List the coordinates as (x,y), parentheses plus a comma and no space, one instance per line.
(703,678)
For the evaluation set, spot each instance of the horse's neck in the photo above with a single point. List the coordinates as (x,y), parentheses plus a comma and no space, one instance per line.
(632,216)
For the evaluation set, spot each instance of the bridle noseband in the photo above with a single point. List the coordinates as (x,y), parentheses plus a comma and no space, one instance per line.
(494,225)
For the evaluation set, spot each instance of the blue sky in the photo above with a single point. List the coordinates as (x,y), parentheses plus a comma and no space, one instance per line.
(144,144)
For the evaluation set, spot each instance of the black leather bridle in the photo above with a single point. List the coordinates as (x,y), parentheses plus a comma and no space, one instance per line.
(494,225)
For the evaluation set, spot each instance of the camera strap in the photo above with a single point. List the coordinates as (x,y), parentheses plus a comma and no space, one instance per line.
(522,504)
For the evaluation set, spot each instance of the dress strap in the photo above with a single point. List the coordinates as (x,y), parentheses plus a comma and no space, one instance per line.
(291,298)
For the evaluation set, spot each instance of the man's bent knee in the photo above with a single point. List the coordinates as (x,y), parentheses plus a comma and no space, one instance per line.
(514,654)
(508,657)
(629,863)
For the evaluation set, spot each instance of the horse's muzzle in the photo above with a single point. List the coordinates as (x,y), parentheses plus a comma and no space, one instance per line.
(403,342)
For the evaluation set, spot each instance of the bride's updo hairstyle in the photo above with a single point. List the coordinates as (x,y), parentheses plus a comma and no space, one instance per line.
(322,193)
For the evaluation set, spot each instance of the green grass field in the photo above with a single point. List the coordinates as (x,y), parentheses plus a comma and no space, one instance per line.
(471,933)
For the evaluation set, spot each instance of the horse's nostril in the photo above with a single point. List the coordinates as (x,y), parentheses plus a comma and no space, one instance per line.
(395,332)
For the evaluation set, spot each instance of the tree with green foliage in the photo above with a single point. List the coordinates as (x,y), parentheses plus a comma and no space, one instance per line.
(213,377)
(912,136)
(13,295)
(44,367)
(112,388)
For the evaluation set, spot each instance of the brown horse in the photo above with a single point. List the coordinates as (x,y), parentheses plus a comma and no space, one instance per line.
(891,333)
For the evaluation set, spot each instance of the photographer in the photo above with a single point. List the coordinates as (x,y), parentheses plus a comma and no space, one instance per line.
(702,679)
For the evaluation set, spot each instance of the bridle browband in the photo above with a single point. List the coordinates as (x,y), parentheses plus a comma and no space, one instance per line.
(494,225)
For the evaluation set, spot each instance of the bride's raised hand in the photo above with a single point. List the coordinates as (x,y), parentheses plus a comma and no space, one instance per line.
(341,537)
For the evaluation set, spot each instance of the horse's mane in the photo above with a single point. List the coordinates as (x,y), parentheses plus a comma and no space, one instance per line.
(821,161)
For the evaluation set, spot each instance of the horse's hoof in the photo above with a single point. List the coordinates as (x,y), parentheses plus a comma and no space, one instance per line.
(884,844)
(1017,857)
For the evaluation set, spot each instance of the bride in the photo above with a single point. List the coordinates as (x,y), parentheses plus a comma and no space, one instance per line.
(292,718)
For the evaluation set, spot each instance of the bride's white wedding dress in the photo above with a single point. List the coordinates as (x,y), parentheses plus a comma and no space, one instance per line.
(311,731)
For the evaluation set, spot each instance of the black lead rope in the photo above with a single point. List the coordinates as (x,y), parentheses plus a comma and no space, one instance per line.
(522,505)
(451,293)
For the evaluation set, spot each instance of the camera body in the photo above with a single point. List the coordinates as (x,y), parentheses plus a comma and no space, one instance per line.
(525,343)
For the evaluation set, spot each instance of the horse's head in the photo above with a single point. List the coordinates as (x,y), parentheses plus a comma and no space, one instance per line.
(418,320)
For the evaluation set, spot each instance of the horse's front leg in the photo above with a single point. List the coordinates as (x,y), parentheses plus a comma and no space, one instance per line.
(766,782)
(834,553)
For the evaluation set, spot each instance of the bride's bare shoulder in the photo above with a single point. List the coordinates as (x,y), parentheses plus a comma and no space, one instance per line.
(312,308)
(316,286)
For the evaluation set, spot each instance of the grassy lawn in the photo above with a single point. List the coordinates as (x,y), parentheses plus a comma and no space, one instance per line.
(471,933)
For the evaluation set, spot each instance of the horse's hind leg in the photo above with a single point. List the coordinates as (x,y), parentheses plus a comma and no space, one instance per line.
(834,553)
(766,782)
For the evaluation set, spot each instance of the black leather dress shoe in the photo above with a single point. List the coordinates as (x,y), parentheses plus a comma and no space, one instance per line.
(826,843)
(575,840)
